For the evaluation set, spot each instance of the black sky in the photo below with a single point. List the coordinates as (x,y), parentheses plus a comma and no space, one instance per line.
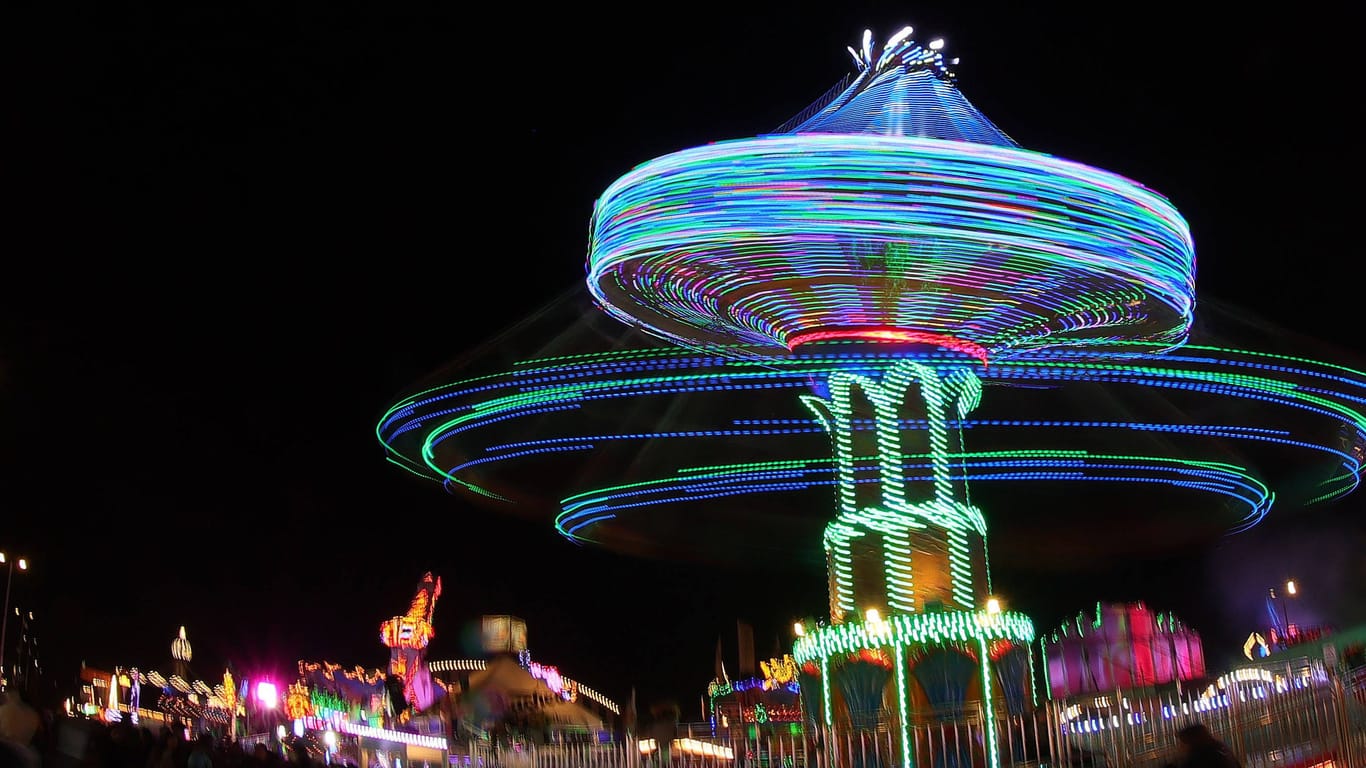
(237,231)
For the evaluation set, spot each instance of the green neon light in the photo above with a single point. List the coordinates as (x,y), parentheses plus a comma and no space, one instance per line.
(567,393)
(324,702)
(408,468)
(899,658)
(911,629)
(1043,656)
(898,632)
(1195,369)
(571,503)
(993,749)
(825,690)
(1033,684)
(897,520)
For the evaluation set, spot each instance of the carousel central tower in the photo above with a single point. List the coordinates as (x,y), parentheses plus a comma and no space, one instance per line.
(901,543)
(896,219)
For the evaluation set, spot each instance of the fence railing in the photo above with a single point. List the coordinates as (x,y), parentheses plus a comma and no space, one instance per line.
(1302,716)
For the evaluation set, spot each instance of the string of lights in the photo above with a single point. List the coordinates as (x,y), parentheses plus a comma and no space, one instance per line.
(450,433)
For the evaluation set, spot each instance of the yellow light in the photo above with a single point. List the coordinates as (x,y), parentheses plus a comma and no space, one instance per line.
(993,605)
(23,564)
(799,629)
(1289,586)
(2,558)
(872,616)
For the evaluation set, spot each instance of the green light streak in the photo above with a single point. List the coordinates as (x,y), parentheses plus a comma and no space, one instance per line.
(571,504)
(988,708)
(896,522)
(406,468)
(825,690)
(912,629)
(899,659)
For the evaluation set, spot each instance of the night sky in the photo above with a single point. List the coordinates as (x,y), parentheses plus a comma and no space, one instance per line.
(236,232)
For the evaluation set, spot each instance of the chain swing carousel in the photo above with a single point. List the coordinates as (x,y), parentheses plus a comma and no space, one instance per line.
(835,308)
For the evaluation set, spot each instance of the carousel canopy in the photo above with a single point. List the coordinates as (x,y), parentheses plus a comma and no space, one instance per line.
(569,714)
(506,677)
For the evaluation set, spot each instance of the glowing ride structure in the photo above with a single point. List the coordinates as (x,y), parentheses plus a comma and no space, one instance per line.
(407,637)
(882,262)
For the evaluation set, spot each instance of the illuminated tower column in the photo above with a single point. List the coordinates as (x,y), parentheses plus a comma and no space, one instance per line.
(904,538)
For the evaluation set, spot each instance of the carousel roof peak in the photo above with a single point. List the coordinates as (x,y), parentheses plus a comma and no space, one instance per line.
(904,89)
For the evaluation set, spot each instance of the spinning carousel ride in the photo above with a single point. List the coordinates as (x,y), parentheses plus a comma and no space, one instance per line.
(887,302)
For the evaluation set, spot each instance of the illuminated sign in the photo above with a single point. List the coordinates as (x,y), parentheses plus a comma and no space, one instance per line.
(297,702)
(778,672)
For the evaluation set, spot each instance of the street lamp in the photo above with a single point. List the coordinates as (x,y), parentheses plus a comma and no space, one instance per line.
(4,622)
(1291,591)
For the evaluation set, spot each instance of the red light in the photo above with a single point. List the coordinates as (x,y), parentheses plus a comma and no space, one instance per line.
(892,335)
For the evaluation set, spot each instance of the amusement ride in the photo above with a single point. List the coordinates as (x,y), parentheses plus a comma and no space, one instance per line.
(890,304)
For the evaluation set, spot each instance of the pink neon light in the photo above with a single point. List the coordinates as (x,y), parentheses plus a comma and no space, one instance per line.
(892,335)
(550,675)
(267,694)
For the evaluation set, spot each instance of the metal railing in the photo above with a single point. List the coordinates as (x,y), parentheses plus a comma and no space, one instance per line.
(1300,716)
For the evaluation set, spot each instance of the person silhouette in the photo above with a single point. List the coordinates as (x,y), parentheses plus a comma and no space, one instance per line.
(1197,747)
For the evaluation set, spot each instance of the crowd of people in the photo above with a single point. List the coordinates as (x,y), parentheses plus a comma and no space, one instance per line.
(33,739)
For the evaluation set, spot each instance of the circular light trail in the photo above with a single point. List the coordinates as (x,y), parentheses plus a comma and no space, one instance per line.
(781,240)
(459,433)
(839,295)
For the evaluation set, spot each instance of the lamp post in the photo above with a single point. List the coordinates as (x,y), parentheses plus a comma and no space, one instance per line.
(4,622)
(1290,591)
